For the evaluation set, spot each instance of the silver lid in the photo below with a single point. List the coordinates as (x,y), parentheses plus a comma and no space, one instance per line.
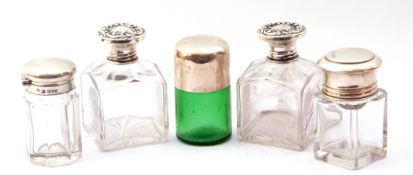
(350,73)
(123,38)
(202,63)
(281,36)
(48,76)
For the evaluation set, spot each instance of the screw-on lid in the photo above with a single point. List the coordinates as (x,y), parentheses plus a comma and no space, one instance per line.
(281,37)
(48,76)
(123,38)
(350,72)
(201,63)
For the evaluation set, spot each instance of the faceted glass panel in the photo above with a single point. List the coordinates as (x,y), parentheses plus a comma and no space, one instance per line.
(54,129)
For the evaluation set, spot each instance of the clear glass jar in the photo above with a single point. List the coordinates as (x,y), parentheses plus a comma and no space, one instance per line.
(52,111)
(351,111)
(124,99)
(275,93)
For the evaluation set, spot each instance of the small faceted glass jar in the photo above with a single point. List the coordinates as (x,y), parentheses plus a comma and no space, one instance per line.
(124,98)
(275,93)
(351,110)
(202,90)
(52,111)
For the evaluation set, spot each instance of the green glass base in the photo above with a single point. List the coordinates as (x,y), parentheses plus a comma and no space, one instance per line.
(203,118)
(203,143)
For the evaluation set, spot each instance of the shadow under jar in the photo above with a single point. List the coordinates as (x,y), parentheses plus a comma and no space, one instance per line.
(53,112)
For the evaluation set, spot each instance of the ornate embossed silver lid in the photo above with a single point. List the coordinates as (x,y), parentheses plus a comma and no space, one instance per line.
(350,73)
(123,38)
(281,36)
(48,76)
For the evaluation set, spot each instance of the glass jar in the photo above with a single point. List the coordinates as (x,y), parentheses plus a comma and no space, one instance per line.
(351,110)
(53,112)
(202,90)
(275,93)
(124,98)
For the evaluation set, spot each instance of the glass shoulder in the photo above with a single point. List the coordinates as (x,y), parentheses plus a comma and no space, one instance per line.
(94,66)
(148,66)
(256,69)
(141,69)
(148,70)
(296,72)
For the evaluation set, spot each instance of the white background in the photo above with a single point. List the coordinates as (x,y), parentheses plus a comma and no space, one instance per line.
(31,29)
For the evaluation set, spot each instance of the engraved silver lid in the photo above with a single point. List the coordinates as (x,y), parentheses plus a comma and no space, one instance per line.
(48,76)
(281,36)
(123,38)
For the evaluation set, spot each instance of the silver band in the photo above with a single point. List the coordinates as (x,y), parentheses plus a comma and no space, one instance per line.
(50,90)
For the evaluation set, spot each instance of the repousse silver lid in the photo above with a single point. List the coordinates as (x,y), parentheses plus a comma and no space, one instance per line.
(281,37)
(123,38)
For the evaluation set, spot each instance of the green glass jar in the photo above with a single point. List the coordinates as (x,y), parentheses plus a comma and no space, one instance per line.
(202,90)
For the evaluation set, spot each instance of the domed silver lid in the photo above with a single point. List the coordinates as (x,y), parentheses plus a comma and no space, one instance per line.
(201,63)
(48,76)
